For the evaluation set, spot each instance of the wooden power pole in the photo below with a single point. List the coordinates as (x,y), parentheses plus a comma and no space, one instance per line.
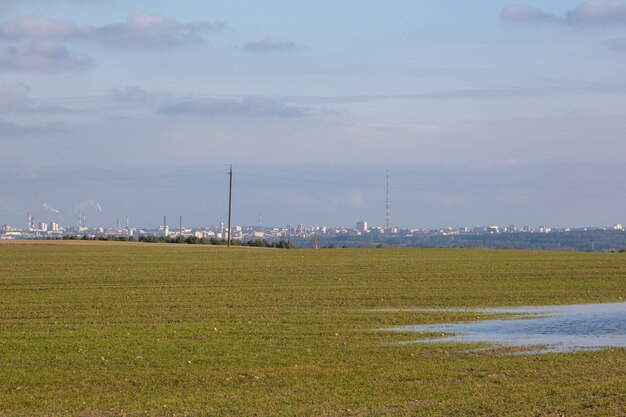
(230,202)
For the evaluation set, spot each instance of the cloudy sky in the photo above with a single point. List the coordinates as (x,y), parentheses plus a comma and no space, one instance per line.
(485,112)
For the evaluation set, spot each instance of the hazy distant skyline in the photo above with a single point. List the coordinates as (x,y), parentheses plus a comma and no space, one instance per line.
(484,112)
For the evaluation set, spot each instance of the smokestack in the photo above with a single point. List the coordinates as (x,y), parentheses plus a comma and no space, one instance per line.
(181,225)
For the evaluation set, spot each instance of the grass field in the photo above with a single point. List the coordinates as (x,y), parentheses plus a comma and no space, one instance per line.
(169,330)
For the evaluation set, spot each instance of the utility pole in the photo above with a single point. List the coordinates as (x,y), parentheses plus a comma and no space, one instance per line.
(230,202)
(388,208)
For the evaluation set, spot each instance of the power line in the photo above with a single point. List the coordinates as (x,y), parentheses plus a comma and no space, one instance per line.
(83,178)
(361,176)
(435,190)
(199,171)
(84,170)
(214,170)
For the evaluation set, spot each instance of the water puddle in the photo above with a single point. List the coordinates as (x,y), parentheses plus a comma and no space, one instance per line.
(539,329)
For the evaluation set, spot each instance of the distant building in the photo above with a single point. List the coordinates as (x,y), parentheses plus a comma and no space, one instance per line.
(8,228)
(618,227)
(362,226)
(43,227)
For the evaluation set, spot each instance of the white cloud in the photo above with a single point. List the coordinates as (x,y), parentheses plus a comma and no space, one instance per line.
(618,45)
(524,13)
(6,3)
(247,107)
(148,30)
(588,12)
(13,129)
(14,97)
(41,56)
(598,12)
(268,45)
(130,94)
(34,27)
(144,30)
(150,21)
(356,199)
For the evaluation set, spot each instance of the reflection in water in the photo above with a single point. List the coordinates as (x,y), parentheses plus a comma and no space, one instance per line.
(546,329)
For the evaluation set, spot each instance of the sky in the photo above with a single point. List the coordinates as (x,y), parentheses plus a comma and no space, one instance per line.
(490,112)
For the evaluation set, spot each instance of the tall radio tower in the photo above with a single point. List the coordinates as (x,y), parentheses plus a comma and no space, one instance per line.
(388,207)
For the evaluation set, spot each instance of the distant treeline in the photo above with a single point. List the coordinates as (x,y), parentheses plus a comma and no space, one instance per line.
(191,240)
(578,240)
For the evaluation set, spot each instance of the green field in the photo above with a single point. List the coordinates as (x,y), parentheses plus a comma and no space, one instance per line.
(183,330)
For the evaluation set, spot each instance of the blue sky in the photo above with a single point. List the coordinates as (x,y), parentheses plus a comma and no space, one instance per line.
(510,112)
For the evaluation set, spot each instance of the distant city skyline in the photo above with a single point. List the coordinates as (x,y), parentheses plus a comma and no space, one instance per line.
(361,234)
(490,112)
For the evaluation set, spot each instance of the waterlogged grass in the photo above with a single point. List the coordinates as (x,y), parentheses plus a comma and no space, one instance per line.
(108,330)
